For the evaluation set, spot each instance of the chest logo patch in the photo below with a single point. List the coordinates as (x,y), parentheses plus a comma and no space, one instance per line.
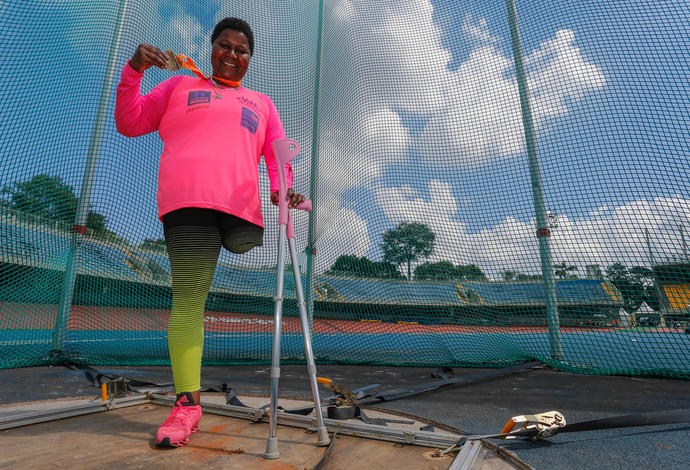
(250,120)
(198,97)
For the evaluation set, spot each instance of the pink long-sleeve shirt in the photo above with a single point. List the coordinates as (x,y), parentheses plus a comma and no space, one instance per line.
(212,147)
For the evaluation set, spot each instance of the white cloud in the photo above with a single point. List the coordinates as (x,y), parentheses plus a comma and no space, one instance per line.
(342,11)
(607,236)
(481,118)
(349,235)
(357,158)
(560,73)
(472,115)
(478,29)
(181,32)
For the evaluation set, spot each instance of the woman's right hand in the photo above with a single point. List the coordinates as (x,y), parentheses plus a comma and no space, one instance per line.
(147,56)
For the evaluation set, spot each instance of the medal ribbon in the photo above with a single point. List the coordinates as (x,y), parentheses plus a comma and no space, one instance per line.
(181,61)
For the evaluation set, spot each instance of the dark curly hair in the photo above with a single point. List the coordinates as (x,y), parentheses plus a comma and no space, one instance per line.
(235,24)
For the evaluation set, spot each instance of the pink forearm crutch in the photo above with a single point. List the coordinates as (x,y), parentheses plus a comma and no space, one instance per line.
(284,151)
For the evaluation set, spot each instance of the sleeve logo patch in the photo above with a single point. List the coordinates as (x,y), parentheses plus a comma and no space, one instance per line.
(250,121)
(198,97)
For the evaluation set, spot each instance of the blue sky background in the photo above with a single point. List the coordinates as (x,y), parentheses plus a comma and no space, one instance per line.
(418,119)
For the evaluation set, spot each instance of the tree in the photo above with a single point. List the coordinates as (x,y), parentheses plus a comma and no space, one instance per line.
(636,285)
(510,275)
(641,275)
(645,282)
(408,242)
(347,264)
(43,196)
(355,266)
(562,269)
(445,270)
(385,270)
(51,198)
(441,270)
(96,222)
(470,272)
(154,244)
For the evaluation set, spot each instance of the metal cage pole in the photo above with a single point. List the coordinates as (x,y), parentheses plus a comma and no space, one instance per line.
(543,230)
(310,250)
(80,219)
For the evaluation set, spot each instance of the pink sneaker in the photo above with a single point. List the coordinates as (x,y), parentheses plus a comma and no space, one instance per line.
(182,422)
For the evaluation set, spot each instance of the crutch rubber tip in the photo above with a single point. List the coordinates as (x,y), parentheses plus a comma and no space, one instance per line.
(272,452)
(322,437)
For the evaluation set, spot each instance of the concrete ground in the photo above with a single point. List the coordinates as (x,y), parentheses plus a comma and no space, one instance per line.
(479,408)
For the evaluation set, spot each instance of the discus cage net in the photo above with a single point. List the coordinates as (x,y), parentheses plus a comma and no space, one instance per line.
(492,183)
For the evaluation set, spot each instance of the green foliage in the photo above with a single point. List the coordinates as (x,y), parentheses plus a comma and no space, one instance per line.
(49,197)
(510,275)
(672,273)
(636,285)
(43,196)
(351,265)
(408,242)
(96,222)
(445,270)
(562,270)
(154,245)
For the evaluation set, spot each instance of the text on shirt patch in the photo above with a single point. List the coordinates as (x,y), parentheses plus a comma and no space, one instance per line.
(247,102)
(250,121)
(197,108)
(198,97)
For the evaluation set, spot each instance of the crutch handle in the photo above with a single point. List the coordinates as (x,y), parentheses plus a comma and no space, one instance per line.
(304,206)
(285,150)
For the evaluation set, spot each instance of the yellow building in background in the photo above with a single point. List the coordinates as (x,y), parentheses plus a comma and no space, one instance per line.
(673,280)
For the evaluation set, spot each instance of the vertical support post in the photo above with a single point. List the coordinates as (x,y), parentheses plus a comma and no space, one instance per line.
(313,193)
(543,230)
(652,263)
(80,219)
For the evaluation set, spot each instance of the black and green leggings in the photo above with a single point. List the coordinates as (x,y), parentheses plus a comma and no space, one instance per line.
(194,238)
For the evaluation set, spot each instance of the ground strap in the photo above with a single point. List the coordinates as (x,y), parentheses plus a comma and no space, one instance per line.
(354,411)
(539,433)
(446,380)
(97,379)
(650,418)
(367,396)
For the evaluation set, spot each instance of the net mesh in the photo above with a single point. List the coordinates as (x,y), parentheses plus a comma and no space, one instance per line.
(481,197)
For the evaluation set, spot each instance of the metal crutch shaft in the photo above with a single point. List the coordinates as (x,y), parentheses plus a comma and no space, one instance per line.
(322,432)
(272,451)
(284,151)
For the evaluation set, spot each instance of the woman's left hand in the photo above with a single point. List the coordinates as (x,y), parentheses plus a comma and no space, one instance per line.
(294,199)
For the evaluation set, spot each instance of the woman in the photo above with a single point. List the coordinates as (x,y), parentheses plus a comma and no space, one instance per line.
(214,133)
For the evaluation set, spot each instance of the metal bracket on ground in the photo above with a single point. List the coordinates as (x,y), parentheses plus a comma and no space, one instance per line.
(77,409)
(470,457)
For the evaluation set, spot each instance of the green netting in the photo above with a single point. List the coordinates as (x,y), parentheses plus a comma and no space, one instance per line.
(481,197)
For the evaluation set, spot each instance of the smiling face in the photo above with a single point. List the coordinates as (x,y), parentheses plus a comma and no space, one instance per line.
(230,55)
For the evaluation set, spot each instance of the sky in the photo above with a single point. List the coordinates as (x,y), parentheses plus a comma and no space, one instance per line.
(418,119)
